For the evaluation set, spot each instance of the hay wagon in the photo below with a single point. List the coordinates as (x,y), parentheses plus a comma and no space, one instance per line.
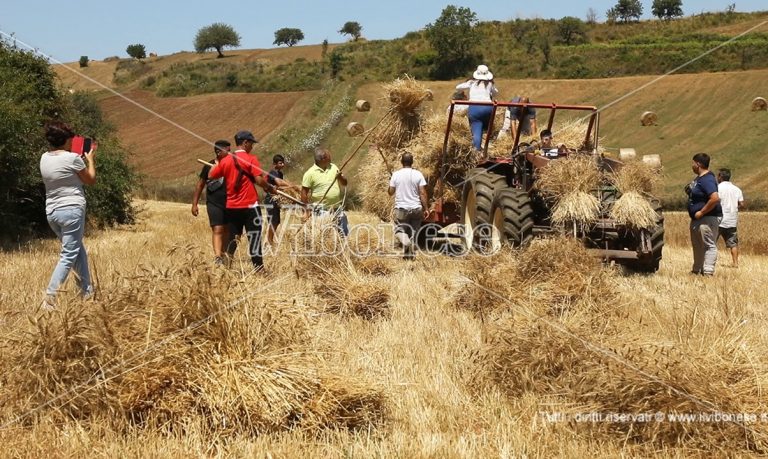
(501,202)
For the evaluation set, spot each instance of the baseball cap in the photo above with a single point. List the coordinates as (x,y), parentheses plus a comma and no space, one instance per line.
(245,135)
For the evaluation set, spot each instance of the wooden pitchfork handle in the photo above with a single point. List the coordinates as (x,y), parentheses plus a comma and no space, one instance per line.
(354,152)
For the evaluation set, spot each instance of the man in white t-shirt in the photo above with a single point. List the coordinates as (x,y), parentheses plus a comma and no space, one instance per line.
(732,201)
(411,208)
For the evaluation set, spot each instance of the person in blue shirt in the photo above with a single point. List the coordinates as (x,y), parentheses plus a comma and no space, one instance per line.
(705,212)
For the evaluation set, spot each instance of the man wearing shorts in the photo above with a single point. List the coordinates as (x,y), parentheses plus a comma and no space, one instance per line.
(732,201)
(215,201)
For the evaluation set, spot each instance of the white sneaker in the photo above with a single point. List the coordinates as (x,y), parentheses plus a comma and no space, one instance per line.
(49,303)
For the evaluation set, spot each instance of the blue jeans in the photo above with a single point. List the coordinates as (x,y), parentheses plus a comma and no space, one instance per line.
(69,224)
(339,217)
(479,118)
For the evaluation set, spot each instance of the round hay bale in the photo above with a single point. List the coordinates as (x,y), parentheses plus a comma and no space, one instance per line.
(759,104)
(652,160)
(627,154)
(363,106)
(649,119)
(355,129)
(429,95)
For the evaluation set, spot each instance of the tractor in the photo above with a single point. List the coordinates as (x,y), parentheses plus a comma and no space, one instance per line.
(500,203)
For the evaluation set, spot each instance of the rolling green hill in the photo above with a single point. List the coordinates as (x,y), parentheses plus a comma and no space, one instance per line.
(698,111)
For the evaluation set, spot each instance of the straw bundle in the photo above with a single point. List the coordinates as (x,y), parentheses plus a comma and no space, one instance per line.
(321,255)
(350,293)
(373,178)
(636,176)
(759,104)
(317,249)
(635,180)
(403,118)
(566,175)
(576,207)
(373,266)
(570,134)
(427,148)
(634,210)
(649,119)
(570,181)
(490,283)
(550,275)
(177,345)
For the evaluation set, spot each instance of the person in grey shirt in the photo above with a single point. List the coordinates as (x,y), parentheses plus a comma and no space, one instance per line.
(64,174)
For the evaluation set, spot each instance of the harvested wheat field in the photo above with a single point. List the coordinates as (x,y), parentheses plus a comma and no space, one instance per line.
(542,352)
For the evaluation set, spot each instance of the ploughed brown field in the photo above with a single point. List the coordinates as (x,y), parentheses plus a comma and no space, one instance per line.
(542,352)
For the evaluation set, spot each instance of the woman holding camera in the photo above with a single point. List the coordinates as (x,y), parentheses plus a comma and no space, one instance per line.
(64,174)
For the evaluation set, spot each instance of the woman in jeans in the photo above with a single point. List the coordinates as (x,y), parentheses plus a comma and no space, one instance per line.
(64,174)
(481,89)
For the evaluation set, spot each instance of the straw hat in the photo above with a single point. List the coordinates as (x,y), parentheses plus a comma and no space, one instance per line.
(482,73)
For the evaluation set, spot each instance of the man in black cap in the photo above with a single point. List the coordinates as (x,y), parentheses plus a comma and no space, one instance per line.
(241,171)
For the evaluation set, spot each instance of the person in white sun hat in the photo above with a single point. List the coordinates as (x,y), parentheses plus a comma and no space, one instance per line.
(481,89)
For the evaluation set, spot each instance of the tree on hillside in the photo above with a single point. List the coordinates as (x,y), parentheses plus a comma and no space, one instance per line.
(626,10)
(216,36)
(136,51)
(591,16)
(453,37)
(323,55)
(83,61)
(336,62)
(571,31)
(667,9)
(288,36)
(352,28)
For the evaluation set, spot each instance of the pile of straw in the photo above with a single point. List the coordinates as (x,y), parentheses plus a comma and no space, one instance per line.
(403,118)
(550,273)
(561,332)
(167,347)
(321,255)
(427,148)
(373,179)
(570,182)
(350,293)
(636,181)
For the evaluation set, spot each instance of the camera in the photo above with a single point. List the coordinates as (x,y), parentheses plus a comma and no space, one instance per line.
(81,145)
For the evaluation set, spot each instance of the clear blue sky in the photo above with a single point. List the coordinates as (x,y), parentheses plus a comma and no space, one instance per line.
(101,28)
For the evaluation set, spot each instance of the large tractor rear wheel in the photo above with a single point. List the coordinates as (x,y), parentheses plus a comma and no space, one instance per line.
(512,217)
(476,203)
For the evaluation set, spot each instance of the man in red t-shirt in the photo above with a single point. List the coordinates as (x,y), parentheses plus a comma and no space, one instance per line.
(241,171)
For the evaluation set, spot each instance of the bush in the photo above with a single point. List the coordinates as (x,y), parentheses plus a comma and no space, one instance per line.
(83,61)
(28,98)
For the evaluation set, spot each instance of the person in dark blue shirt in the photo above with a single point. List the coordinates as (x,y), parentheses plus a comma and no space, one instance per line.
(705,212)
(215,201)
(273,206)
